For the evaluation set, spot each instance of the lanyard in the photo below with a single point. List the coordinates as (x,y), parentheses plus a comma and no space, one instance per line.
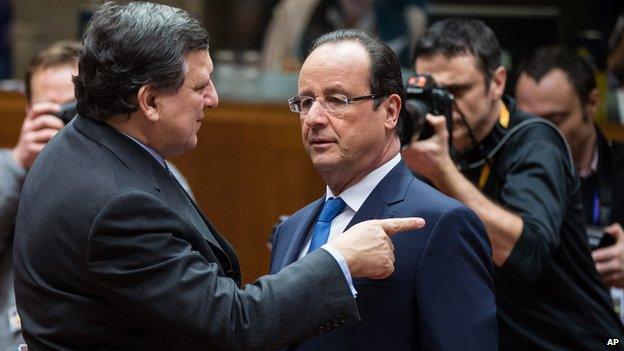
(596,208)
(503,120)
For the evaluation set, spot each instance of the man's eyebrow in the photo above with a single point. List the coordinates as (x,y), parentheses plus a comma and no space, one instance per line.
(555,113)
(305,92)
(457,86)
(335,89)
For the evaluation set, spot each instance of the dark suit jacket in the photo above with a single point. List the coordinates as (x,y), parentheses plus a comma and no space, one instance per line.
(111,254)
(440,296)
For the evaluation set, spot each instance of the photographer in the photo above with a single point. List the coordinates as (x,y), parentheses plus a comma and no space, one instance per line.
(514,170)
(48,85)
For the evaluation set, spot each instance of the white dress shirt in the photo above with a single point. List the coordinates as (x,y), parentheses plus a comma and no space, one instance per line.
(354,197)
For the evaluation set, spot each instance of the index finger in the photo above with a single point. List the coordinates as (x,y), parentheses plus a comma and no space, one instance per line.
(605,253)
(395,225)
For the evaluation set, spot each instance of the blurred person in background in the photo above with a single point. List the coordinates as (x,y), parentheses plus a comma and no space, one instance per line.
(561,86)
(515,171)
(296,23)
(48,84)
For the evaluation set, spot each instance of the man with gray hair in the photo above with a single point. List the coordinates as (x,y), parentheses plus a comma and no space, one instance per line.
(118,255)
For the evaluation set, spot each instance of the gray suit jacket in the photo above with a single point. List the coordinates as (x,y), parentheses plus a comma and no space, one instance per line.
(111,253)
(11,178)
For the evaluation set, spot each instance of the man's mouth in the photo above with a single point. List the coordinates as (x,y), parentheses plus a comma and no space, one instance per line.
(320,141)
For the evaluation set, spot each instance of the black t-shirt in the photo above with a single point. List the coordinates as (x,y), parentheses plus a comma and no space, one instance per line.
(603,191)
(549,295)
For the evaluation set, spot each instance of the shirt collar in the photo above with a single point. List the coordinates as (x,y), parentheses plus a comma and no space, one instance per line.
(593,167)
(151,151)
(355,195)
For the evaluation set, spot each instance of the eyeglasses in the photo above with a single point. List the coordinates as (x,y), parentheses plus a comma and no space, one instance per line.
(336,104)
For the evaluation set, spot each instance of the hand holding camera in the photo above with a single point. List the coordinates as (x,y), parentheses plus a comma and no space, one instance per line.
(430,111)
(610,259)
(423,96)
(40,125)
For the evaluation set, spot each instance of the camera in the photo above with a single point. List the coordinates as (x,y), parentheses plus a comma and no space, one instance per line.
(67,112)
(423,96)
(598,238)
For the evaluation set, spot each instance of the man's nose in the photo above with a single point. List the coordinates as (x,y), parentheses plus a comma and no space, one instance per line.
(211,97)
(316,115)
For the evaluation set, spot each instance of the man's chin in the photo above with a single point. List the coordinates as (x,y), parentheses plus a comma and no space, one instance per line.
(322,163)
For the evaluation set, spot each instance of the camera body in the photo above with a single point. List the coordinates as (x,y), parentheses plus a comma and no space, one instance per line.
(67,112)
(423,96)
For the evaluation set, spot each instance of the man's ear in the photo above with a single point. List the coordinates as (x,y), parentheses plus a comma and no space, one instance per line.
(393,109)
(592,104)
(146,103)
(497,83)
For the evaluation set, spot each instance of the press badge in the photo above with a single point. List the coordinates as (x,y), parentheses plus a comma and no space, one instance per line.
(15,323)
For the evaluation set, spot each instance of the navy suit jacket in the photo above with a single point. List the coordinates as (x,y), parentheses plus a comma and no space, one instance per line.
(440,296)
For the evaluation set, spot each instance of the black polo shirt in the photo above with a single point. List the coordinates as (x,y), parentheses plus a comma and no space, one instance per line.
(603,190)
(549,295)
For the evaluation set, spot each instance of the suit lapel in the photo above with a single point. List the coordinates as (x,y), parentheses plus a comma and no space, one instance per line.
(301,233)
(390,191)
(174,195)
(149,170)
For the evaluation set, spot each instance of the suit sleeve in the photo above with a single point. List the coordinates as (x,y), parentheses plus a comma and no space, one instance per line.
(138,256)
(12,175)
(454,286)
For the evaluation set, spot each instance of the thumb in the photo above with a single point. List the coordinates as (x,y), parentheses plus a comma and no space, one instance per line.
(394,225)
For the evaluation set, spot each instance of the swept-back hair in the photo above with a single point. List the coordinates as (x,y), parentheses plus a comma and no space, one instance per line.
(129,46)
(458,36)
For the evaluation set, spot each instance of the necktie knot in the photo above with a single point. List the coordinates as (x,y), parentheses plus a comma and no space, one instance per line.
(331,209)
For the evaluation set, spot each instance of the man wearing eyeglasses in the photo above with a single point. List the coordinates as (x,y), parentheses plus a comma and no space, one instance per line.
(440,297)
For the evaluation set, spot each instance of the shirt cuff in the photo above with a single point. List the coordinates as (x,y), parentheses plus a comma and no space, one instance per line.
(343,266)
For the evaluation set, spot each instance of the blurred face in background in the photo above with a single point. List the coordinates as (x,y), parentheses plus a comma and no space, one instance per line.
(53,84)
(554,98)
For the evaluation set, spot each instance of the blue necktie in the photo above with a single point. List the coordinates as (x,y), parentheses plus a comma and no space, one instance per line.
(320,233)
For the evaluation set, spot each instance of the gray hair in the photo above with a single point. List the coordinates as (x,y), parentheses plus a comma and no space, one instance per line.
(129,46)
